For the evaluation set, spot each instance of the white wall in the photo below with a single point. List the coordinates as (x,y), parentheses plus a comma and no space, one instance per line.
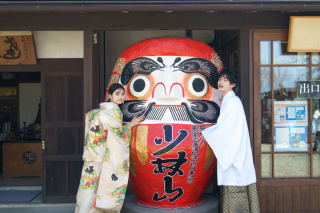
(29,98)
(205,36)
(58,44)
(118,41)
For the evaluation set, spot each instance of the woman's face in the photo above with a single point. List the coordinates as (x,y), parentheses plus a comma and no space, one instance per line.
(117,96)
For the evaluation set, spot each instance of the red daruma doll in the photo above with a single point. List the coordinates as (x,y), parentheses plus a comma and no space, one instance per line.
(173,83)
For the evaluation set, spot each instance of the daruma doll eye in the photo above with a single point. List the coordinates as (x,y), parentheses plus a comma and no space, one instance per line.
(140,87)
(197,86)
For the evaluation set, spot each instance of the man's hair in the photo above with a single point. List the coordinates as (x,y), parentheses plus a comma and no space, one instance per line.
(231,76)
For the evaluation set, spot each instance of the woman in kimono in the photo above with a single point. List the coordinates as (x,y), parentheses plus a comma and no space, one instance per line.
(105,172)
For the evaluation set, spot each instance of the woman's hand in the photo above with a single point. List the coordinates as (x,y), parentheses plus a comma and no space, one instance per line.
(201,140)
(136,120)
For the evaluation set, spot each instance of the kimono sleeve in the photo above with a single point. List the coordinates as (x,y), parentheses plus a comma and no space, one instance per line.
(226,136)
(121,131)
(94,138)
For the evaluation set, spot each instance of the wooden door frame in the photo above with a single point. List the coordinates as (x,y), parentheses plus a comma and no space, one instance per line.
(255,76)
(62,65)
(277,194)
(268,34)
(18,96)
(53,158)
(48,66)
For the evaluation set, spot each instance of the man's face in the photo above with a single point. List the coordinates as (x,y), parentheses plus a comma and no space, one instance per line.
(224,85)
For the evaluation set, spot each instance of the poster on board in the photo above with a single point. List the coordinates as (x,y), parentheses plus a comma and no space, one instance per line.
(291,139)
(290,126)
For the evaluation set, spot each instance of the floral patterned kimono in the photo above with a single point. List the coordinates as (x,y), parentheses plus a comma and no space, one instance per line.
(105,172)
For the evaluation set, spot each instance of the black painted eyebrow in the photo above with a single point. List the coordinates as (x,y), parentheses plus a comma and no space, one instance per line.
(141,65)
(202,66)
(136,65)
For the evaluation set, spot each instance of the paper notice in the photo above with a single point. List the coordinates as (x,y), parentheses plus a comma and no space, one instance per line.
(298,130)
(282,138)
(291,112)
(299,108)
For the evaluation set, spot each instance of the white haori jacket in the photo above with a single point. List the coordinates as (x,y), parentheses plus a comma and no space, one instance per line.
(230,142)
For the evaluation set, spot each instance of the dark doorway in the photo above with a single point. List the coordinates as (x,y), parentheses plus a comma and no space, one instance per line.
(20,131)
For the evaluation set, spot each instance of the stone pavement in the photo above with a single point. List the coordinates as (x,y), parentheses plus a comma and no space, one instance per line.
(36,205)
(37,208)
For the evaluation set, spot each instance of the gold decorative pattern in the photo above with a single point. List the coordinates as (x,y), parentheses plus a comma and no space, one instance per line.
(217,61)
(119,65)
(131,182)
(209,155)
(116,74)
(141,144)
(209,158)
(133,165)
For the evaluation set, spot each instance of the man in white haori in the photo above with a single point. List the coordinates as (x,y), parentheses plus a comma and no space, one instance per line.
(230,142)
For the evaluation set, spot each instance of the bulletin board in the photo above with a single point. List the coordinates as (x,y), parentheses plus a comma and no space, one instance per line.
(290,126)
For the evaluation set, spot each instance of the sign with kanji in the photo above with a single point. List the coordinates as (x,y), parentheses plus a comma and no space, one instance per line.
(168,167)
(17,48)
(308,89)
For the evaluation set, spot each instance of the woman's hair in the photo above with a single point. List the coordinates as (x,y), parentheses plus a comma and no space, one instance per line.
(114,87)
(231,76)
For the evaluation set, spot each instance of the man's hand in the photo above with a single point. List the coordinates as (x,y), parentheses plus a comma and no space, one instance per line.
(201,140)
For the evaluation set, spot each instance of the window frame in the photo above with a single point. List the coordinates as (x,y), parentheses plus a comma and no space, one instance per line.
(275,35)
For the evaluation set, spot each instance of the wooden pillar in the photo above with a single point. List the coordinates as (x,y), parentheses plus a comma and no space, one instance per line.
(91,70)
(87,70)
(245,85)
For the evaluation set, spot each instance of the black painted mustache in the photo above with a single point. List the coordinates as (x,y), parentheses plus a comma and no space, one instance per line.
(202,111)
(130,109)
(196,111)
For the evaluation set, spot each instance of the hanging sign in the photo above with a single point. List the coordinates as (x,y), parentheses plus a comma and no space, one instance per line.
(17,48)
(308,89)
(304,34)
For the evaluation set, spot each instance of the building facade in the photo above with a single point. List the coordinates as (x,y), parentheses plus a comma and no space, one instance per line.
(250,37)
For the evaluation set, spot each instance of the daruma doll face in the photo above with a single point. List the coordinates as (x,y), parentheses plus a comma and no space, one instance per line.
(173,83)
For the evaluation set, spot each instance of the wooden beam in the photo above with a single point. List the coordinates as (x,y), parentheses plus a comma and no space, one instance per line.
(290,182)
(48,65)
(146,20)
